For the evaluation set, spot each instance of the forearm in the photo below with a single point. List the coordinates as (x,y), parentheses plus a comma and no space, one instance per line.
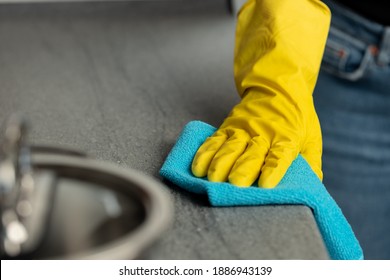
(279,46)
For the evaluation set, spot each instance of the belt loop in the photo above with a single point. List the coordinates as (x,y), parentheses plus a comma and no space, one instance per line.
(383,57)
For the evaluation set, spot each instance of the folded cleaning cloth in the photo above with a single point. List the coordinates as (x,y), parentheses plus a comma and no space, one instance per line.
(299,186)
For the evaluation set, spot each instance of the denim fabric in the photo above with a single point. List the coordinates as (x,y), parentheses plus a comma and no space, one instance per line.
(352,99)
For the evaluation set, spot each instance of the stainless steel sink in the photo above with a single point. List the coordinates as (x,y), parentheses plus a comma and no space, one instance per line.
(99,210)
(60,204)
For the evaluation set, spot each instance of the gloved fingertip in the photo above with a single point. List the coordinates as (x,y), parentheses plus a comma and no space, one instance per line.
(216,177)
(270,178)
(198,172)
(240,181)
(267,184)
(198,169)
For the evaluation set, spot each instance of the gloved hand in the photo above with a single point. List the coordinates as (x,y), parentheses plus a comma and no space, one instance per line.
(278,52)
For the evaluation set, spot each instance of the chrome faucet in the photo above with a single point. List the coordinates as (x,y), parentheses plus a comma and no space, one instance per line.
(23,208)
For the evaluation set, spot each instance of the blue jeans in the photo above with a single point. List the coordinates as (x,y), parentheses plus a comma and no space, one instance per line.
(352,99)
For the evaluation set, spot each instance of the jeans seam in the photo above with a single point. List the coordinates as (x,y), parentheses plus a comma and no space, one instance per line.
(359,72)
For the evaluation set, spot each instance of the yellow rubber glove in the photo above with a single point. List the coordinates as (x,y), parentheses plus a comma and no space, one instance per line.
(278,52)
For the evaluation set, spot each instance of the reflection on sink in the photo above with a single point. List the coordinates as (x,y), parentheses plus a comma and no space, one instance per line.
(85,216)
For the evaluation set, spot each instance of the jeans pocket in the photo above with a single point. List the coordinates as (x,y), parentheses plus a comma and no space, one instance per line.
(345,56)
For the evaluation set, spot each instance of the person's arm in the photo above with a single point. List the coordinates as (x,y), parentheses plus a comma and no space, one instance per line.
(278,52)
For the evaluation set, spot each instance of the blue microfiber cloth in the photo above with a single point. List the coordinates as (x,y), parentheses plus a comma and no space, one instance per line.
(299,186)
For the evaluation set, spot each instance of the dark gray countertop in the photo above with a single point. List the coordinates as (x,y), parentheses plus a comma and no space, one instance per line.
(119,81)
